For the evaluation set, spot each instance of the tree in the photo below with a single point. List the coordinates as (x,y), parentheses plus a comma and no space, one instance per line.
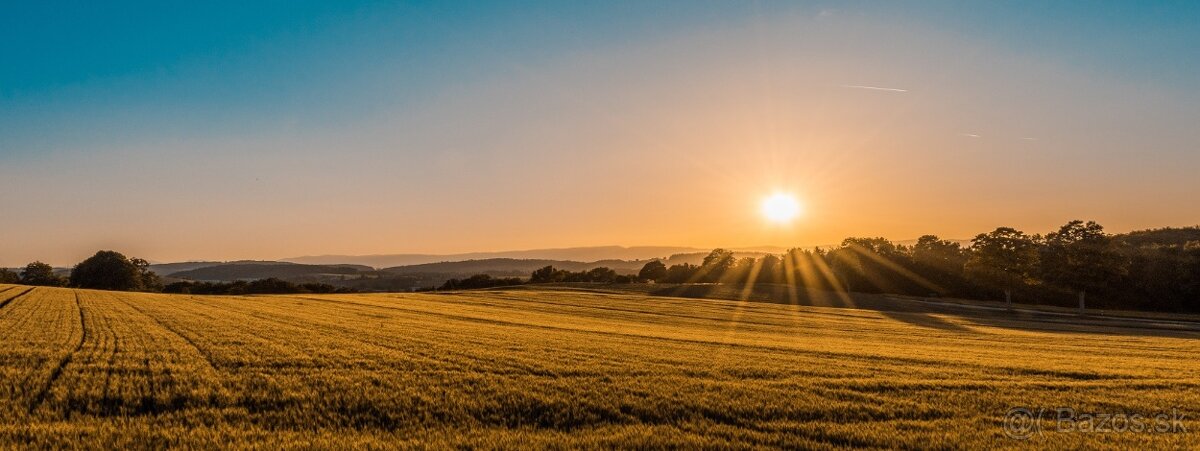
(933,252)
(601,274)
(716,263)
(150,280)
(1004,257)
(653,270)
(8,276)
(1081,257)
(38,273)
(107,270)
(770,269)
(681,273)
(546,275)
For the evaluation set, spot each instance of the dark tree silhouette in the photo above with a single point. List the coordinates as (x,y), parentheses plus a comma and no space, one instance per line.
(653,270)
(1081,257)
(715,264)
(1004,257)
(601,274)
(681,273)
(8,276)
(546,275)
(770,270)
(107,270)
(38,273)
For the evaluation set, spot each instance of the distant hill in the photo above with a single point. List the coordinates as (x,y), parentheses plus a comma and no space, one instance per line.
(262,270)
(575,254)
(510,267)
(166,269)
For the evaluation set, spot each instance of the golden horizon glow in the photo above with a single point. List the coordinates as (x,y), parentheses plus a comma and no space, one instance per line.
(781,208)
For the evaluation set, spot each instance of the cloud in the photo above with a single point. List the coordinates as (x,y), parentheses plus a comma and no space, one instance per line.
(874,88)
(970,135)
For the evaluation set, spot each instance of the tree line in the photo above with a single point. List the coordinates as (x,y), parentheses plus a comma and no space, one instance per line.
(1077,265)
(110,270)
(107,270)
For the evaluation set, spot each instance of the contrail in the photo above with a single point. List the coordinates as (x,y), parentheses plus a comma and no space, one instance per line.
(874,88)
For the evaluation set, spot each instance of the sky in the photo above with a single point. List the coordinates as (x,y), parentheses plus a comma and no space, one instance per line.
(261,130)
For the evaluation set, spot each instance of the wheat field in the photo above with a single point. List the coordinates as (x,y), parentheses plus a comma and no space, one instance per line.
(561,368)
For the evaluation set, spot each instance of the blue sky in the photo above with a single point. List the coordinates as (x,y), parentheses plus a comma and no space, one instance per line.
(190,66)
(203,110)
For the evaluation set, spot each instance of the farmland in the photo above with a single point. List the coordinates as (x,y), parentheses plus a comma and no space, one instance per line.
(542,367)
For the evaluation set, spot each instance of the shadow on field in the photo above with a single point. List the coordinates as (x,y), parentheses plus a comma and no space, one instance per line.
(928,321)
(919,312)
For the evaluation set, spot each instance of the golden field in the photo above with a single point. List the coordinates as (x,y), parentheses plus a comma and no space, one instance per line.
(568,368)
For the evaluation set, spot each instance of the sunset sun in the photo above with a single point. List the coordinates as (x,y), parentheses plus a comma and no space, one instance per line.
(780,208)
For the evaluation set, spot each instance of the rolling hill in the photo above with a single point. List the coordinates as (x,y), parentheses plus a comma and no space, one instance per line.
(263,270)
(575,254)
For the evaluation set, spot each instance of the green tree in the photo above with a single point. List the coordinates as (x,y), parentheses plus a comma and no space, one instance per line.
(1005,257)
(8,276)
(1082,257)
(107,270)
(38,273)
(653,270)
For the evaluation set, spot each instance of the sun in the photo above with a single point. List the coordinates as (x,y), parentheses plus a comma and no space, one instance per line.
(780,208)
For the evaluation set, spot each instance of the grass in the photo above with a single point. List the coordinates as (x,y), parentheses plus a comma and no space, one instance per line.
(564,368)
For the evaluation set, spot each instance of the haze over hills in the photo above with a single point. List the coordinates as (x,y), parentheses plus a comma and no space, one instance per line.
(404,277)
(575,254)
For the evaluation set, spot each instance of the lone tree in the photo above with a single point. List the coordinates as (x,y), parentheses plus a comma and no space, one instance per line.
(1004,257)
(108,270)
(38,273)
(1081,257)
(653,270)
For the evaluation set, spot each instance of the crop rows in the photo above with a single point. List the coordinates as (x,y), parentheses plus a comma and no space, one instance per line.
(527,368)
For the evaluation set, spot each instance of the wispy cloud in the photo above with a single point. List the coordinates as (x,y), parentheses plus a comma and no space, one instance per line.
(970,135)
(874,88)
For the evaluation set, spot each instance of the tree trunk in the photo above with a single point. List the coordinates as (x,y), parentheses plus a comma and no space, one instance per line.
(1082,294)
(1008,299)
